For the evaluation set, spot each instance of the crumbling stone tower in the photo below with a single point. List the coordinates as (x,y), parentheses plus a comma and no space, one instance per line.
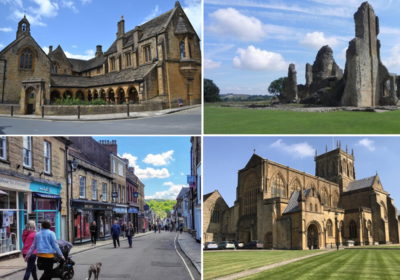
(291,85)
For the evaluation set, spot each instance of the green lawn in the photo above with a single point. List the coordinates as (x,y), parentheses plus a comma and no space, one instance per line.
(225,120)
(223,263)
(340,265)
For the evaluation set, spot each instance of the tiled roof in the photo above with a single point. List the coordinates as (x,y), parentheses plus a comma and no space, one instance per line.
(361,184)
(123,76)
(182,27)
(293,204)
(79,65)
(80,154)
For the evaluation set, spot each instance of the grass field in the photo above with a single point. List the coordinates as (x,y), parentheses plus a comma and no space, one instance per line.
(220,120)
(339,265)
(224,263)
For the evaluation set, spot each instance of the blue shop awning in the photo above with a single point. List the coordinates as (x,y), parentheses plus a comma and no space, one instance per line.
(45,195)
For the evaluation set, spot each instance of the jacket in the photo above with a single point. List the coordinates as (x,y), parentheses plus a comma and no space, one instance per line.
(130,231)
(93,229)
(115,230)
(27,238)
(45,243)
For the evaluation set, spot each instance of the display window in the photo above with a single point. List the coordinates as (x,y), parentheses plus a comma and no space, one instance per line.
(8,231)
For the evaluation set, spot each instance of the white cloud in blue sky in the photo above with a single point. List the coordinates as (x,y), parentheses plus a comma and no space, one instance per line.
(297,150)
(273,34)
(367,143)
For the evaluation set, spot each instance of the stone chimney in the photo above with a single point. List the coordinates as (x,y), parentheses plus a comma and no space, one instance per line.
(110,145)
(137,34)
(121,27)
(131,168)
(99,50)
(50,49)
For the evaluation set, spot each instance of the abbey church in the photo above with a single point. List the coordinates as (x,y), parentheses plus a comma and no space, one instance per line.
(285,208)
(159,60)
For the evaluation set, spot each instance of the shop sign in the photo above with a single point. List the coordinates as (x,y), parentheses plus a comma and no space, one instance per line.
(132,210)
(119,210)
(13,184)
(192,185)
(135,194)
(146,208)
(191,179)
(45,189)
(114,194)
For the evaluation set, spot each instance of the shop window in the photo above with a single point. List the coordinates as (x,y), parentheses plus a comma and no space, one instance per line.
(3,147)
(47,161)
(104,192)
(8,231)
(27,145)
(82,187)
(182,49)
(26,61)
(120,170)
(8,201)
(94,189)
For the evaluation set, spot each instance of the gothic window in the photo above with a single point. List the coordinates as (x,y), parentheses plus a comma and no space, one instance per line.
(384,212)
(128,59)
(251,185)
(353,229)
(369,227)
(215,214)
(329,228)
(295,187)
(348,175)
(112,63)
(316,209)
(147,53)
(310,207)
(26,60)
(277,186)
(312,190)
(325,198)
(335,200)
(182,49)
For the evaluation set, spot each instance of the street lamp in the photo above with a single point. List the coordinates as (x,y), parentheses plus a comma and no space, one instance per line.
(74,165)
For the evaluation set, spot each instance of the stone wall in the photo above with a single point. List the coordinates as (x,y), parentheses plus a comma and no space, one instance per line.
(6,109)
(291,85)
(213,231)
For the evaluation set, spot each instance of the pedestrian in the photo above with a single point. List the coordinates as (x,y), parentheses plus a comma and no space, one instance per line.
(130,232)
(180,229)
(115,232)
(123,228)
(155,228)
(46,245)
(93,233)
(159,228)
(28,235)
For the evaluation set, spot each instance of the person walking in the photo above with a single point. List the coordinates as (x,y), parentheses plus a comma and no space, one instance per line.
(180,229)
(28,235)
(46,246)
(115,232)
(123,229)
(130,232)
(159,228)
(93,233)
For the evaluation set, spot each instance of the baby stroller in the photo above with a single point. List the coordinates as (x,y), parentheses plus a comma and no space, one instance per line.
(65,269)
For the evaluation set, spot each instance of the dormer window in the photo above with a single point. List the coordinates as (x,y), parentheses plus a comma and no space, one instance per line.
(112,63)
(182,49)
(54,68)
(128,59)
(26,59)
(147,53)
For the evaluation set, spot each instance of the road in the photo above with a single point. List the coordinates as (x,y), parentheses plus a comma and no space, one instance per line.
(186,122)
(153,256)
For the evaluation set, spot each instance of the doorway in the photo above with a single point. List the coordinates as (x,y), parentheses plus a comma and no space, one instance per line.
(312,237)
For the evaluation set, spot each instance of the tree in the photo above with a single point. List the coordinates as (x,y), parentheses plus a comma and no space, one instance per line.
(211,91)
(277,87)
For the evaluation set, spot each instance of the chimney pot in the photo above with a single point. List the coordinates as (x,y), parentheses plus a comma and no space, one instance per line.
(50,49)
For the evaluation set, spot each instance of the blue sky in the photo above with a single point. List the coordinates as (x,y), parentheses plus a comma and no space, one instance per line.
(224,156)
(250,43)
(79,25)
(161,163)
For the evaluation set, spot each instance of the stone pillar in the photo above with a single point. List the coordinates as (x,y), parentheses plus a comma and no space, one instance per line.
(160,80)
(23,102)
(291,85)
(134,60)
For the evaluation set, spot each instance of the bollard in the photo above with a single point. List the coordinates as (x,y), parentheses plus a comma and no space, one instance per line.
(12,111)
(42,111)
(127,109)
(79,112)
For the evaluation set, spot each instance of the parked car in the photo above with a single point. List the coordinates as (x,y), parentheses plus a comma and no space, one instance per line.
(211,245)
(239,244)
(226,245)
(254,245)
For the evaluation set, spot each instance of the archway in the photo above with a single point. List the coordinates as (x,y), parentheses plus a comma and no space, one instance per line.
(103,95)
(268,240)
(111,96)
(121,96)
(96,95)
(312,237)
(79,95)
(66,94)
(247,237)
(54,95)
(90,96)
(30,95)
(133,95)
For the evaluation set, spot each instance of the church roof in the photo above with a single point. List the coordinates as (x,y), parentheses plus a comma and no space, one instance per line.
(182,27)
(293,204)
(361,184)
(123,76)
(79,65)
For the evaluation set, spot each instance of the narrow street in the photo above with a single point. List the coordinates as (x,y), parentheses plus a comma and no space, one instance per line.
(154,256)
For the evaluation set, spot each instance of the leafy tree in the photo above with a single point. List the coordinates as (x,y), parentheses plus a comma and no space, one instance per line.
(161,206)
(211,91)
(277,87)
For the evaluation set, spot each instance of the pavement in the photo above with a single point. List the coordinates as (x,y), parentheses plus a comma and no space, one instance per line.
(183,122)
(104,117)
(191,248)
(153,256)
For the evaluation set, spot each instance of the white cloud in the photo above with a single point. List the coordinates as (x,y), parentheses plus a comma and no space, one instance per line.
(192,10)
(85,2)
(6,29)
(182,174)
(46,8)
(153,14)
(46,50)
(1,46)
(70,5)
(231,23)
(12,2)
(316,40)
(299,150)
(259,60)
(171,193)
(369,144)
(209,64)
(89,55)
(74,46)
(159,159)
(394,59)
(147,173)
(342,54)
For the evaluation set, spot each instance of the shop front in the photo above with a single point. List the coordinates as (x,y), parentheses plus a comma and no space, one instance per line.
(133,217)
(121,213)
(85,212)
(11,206)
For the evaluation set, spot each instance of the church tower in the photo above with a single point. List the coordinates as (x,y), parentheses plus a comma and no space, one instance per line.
(336,166)
(24,28)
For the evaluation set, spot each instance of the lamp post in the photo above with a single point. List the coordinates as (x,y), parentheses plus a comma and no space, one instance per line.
(74,165)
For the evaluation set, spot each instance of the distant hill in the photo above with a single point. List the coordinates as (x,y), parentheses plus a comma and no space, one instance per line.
(244,97)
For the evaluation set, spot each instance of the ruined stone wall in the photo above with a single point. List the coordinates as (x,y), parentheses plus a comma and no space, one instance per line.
(291,85)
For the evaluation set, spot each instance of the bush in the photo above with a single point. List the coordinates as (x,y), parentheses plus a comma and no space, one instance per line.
(77,101)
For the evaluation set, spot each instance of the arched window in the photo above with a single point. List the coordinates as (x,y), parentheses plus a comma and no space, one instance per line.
(335,200)
(23,28)
(353,229)
(312,189)
(294,187)
(329,227)
(316,208)
(182,49)
(310,207)
(384,212)
(215,214)
(369,226)
(277,186)
(26,60)
(250,190)
(190,50)
(325,198)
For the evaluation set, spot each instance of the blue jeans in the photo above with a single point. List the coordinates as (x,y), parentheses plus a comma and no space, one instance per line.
(31,267)
(130,240)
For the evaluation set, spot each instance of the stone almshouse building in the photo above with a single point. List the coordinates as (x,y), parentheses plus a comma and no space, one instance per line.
(288,209)
(159,60)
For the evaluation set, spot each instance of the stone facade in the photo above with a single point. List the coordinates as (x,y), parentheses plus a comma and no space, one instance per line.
(158,60)
(285,208)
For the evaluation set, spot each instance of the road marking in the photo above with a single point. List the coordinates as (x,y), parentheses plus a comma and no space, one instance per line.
(182,258)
